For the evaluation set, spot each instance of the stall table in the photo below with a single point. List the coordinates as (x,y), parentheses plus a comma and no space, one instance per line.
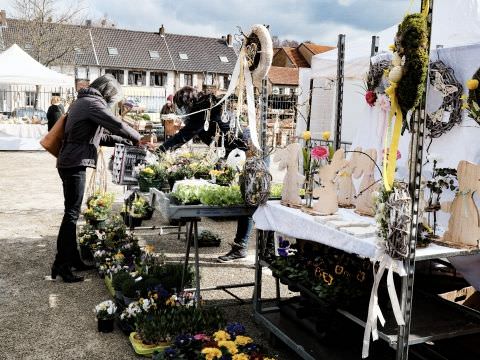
(448,320)
(21,136)
(191,215)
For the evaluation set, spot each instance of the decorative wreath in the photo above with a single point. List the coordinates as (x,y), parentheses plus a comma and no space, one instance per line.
(473,103)
(259,52)
(442,78)
(393,218)
(411,45)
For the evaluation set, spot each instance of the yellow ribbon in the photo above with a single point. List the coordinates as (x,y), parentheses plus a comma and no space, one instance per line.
(390,152)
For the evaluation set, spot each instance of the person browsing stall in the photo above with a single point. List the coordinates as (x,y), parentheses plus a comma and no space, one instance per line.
(188,101)
(87,118)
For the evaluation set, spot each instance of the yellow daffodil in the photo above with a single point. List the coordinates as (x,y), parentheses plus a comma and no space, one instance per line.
(465,106)
(221,335)
(216,172)
(229,345)
(148,171)
(464,97)
(391,47)
(326,135)
(243,340)
(472,84)
(307,135)
(212,353)
(240,356)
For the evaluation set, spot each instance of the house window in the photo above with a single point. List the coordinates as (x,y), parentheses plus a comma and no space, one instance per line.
(29,98)
(223,59)
(154,54)
(281,91)
(158,79)
(81,73)
(183,56)
(188,79)
(209,79)
(117,74)
(112,51)
(138,78)
(224,81)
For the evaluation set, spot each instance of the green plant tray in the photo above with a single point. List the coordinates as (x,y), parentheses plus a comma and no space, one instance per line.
(144,350)
(108,284)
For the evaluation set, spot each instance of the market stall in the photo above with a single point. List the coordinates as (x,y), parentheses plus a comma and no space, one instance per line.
(24,130)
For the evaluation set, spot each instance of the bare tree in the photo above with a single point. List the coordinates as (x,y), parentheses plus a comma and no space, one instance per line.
(48,27)
(277,42)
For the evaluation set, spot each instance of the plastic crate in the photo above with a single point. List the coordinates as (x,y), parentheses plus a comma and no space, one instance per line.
(124,161)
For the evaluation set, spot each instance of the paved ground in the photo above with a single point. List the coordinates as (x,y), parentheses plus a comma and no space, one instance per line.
(51,320)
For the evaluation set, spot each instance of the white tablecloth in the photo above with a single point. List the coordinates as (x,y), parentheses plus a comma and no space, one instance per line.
(21,136)
(297,224)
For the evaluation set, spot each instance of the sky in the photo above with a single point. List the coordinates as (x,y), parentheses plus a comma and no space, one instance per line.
(319,21)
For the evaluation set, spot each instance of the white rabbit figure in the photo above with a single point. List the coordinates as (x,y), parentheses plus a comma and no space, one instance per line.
(293,180)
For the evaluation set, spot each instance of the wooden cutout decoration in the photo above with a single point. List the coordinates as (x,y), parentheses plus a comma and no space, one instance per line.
(293,180)
(364,165)
(463,225)
(327,203)
(345,187)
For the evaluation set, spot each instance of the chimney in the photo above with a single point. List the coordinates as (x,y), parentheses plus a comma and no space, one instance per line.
(161,31)
(229,40)
(88,23)
(3,18)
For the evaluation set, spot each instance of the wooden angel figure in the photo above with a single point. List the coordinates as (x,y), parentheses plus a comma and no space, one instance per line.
(365,165)
(463,225)
(345,188)
(293,180)
(327,203)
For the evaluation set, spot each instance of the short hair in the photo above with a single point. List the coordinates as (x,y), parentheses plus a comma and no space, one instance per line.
(109,87)
(55,100)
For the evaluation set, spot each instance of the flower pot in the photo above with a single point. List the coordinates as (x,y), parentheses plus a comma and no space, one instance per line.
(132,221)
(98,224)
(144,349)
(105,325)
(146,184)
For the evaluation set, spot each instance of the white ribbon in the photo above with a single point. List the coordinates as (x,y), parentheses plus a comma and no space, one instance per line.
(252,121)
(374,311)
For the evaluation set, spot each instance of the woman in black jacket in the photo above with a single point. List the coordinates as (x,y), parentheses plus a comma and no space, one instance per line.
(54,112)
(87,118)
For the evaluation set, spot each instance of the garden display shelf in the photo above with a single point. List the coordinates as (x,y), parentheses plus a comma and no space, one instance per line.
(191,215)
(433,318)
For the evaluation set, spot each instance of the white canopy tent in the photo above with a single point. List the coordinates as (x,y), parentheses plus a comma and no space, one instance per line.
(19,68)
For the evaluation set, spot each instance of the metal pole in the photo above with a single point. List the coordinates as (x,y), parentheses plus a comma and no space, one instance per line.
(310,96)
(263,117)
(340,70)
(416,162)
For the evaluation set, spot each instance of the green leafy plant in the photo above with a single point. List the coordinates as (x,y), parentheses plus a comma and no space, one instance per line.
(129,288)
(119,278)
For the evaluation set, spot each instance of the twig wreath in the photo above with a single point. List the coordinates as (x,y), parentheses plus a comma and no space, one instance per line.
(443,79)
(393,218)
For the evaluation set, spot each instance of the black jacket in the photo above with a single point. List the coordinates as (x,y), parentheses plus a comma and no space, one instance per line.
(194,126)
(53,114)
(84,130)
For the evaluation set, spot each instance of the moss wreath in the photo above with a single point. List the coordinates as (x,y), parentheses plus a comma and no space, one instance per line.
(411,43)
(474,100)
(452,101)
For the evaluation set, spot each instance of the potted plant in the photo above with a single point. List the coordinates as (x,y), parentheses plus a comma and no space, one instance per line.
(136,212)
(99,207)
(128,317)
(105,312)
(117,282)
(129,290)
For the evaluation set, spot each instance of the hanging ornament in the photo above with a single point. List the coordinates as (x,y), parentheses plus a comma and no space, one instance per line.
(206,125)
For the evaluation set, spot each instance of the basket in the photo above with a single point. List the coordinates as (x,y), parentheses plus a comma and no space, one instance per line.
(125,159)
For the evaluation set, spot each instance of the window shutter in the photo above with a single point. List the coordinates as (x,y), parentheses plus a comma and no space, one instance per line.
(221,83)
(182,80)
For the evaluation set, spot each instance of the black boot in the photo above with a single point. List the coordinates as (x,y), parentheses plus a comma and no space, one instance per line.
(79,265)
(236,253)
(65,273)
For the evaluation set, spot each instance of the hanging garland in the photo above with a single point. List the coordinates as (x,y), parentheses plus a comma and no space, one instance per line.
(442,78)
(411,44)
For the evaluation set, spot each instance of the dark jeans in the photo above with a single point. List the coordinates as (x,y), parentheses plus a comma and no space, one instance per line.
(244,228)
(73,180)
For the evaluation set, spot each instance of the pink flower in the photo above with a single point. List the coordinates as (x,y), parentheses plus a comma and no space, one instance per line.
(399,154)
(370,97)
(319,152)
(201,337)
